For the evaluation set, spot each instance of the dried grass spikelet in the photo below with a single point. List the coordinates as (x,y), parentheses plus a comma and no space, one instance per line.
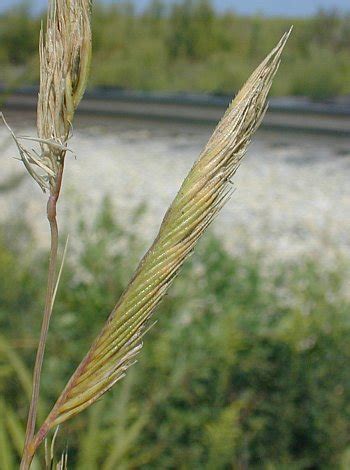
(203,193)
(65,53)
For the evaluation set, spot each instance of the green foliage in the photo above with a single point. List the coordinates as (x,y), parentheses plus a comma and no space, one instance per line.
(18,35)
(191,47)
(323,72)
(245,368)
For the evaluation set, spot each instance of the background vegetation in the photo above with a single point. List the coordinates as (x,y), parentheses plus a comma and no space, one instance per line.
(245,368)
(191,47)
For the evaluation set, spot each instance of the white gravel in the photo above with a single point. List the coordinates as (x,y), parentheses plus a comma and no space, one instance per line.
(292,198)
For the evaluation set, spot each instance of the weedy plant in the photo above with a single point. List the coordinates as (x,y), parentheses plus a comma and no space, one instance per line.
(65,50)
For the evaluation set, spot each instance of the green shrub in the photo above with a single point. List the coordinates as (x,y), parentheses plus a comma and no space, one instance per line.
(191,47)
(319,76)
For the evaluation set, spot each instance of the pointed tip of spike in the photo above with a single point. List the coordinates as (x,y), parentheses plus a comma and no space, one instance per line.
(288,33)
(285,37)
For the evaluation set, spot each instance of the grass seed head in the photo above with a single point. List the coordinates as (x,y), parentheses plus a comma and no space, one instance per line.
(65,53)
(201,196)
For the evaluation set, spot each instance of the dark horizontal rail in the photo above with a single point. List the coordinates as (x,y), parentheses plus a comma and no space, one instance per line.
(336,107)
(294,114)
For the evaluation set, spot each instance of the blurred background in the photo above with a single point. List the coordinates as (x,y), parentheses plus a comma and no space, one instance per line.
(247,367)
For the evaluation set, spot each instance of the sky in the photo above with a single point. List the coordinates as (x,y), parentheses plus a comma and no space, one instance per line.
(266,7)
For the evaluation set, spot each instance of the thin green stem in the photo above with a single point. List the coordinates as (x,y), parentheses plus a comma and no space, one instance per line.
(29,447)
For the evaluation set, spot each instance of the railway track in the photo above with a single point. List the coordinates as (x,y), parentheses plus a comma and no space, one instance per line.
(290,114)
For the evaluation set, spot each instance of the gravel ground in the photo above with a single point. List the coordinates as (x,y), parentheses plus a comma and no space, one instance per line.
(292,197)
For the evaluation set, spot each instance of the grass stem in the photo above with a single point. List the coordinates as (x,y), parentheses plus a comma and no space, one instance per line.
(29,449)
